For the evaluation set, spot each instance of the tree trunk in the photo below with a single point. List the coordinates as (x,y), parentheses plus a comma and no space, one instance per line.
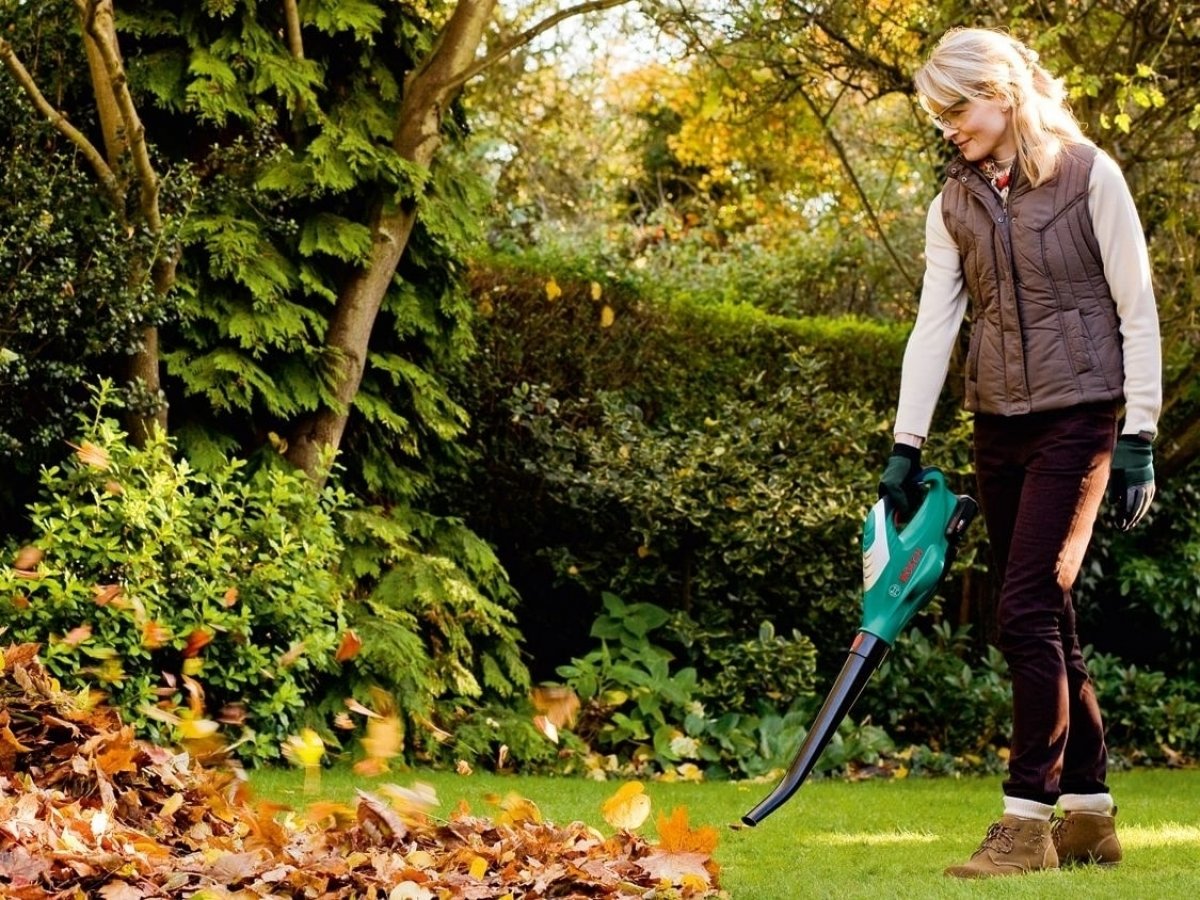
(124,135)
(428,92)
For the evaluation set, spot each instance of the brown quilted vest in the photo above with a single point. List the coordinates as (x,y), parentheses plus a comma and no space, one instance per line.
(1044,331)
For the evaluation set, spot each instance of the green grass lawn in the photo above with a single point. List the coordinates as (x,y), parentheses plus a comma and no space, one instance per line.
(871,839)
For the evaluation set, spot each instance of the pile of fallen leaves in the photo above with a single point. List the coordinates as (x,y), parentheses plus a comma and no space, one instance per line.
(88,811)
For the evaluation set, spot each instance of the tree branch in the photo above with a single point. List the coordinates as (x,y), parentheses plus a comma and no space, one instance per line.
(840,150)
(528,35)
(95,158)
(98,22)
(294,39)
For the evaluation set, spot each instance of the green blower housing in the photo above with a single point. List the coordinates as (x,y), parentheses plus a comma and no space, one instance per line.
(903,566)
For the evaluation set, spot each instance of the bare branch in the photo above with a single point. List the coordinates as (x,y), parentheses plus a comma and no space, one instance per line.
(95,158)
(98,22)
(294,39)
(840,150)
(530,34)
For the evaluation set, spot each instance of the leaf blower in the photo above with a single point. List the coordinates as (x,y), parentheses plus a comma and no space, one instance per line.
(903,565)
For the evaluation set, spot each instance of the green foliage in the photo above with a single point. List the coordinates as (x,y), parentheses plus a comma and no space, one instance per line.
(1149,717)
(434,611)
(633,704)
(731,513)
(69,308)
(1135,583)
(931,692)
(154,571)
(737,674)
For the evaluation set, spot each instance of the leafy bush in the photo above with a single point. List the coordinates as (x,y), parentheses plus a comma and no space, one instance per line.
(632,703)
(722,519)
(1142,586)
(928,692)
(68,306)
(738,674)
(433,609)
(147,580)
(1149,717)
(154,574)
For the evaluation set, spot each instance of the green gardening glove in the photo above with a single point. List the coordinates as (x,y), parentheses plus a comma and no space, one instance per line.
(900,482)
(1131,482)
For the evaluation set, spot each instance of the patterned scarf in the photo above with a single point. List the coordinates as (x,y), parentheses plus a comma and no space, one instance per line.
(999,175)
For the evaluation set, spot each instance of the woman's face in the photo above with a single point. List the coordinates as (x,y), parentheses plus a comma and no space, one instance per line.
(979,127)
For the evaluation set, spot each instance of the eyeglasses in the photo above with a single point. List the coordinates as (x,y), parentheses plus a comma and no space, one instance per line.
(948,117)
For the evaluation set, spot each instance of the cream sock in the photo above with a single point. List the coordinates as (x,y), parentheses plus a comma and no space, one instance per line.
(1027,809)
(1098,804)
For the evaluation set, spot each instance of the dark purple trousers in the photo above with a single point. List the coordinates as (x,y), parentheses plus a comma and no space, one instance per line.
(1041,479)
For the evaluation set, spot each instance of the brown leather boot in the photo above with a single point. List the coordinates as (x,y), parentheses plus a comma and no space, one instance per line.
(1087,837)
(1013,846)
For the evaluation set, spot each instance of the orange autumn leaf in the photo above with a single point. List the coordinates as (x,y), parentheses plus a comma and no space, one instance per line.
(77,635)
(628,808)
(118,758)
(28,558)
(230,598)
(559,704)
(675,836)
(343,721)
(349,647)
(196,641)
(91,455)
(154,635)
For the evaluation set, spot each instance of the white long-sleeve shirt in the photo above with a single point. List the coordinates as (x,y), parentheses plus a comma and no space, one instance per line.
(1126,268)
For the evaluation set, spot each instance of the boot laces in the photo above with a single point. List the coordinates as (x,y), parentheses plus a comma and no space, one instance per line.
(1058,825)
(999,837)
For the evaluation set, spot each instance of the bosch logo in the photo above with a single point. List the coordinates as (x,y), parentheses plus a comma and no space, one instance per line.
(894,591)
(912,564)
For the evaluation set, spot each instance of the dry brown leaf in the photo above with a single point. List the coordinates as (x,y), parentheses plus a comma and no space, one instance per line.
(105,594)
(559,704)
(29,558)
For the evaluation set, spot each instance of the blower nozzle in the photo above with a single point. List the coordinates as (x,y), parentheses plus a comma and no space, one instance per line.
(903,565)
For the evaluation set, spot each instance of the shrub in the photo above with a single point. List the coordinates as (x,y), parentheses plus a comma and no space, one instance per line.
(929,692)
(722,519)
(153,576)
(1149,717)
(738,674)
(68,306)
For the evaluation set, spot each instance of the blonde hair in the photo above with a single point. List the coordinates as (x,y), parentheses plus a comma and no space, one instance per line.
(981,63)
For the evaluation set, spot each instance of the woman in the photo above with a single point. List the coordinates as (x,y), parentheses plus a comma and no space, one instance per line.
(1036,230)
